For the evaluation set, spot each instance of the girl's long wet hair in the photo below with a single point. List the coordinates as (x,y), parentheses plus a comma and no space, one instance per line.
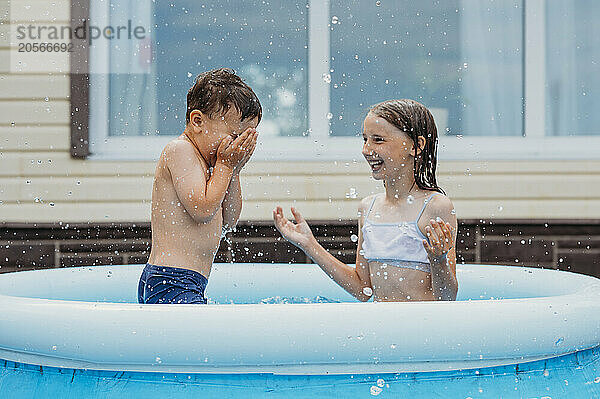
(415,120)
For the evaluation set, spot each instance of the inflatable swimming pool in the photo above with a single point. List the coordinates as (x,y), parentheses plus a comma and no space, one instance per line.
(514,332)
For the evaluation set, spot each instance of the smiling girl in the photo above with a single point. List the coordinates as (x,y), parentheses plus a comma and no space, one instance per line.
(407,234)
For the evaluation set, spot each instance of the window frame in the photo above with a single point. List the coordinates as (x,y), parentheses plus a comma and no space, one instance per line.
(319,145)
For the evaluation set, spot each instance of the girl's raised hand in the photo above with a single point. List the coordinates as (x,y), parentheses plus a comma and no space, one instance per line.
(298,233)
(440,238)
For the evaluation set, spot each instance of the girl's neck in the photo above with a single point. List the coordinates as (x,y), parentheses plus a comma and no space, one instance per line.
(400,187)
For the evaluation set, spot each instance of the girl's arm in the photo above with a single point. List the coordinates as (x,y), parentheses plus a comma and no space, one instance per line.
(299,233)
(443,275)
(441,249)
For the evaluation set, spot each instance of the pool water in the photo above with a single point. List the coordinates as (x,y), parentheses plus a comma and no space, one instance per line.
(297,299)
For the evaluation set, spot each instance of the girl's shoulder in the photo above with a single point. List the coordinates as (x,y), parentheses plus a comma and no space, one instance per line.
(366,202)
(439,205)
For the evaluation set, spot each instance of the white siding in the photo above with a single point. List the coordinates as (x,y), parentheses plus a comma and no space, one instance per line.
(39,182)
(71,190)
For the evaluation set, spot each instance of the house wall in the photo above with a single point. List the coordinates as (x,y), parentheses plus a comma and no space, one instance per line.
(41,184)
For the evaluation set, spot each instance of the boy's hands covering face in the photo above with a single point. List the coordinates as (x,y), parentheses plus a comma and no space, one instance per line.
(250,150)
(235,153)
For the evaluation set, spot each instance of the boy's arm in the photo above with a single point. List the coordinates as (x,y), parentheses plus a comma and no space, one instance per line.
(232,203)
(202,199)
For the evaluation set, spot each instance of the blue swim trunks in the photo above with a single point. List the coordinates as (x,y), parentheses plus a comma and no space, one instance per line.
(163,284)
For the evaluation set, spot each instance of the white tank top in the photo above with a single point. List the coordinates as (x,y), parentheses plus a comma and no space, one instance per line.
(396,244)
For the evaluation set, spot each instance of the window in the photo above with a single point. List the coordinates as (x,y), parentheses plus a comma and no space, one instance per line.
(146,82)
(572,64)
(504,80)
(463,62)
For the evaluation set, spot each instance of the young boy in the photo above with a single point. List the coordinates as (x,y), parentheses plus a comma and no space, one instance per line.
(196,193)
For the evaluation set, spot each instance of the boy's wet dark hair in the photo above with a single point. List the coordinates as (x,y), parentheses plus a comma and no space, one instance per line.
(415,120)
(214,92)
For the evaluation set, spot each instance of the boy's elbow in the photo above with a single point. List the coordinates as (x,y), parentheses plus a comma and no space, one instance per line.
(229,225)
(448,295)
(454,295)
(362,297)
(202,217)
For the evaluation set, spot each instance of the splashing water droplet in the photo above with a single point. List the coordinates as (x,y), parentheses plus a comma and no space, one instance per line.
(410,199)
(329,116)
(353,238)
(189,74)
(375,390)
(158,360)
(335,20)
(378,3)
(367,291)
(380,382)
(393,346)
(327,78)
